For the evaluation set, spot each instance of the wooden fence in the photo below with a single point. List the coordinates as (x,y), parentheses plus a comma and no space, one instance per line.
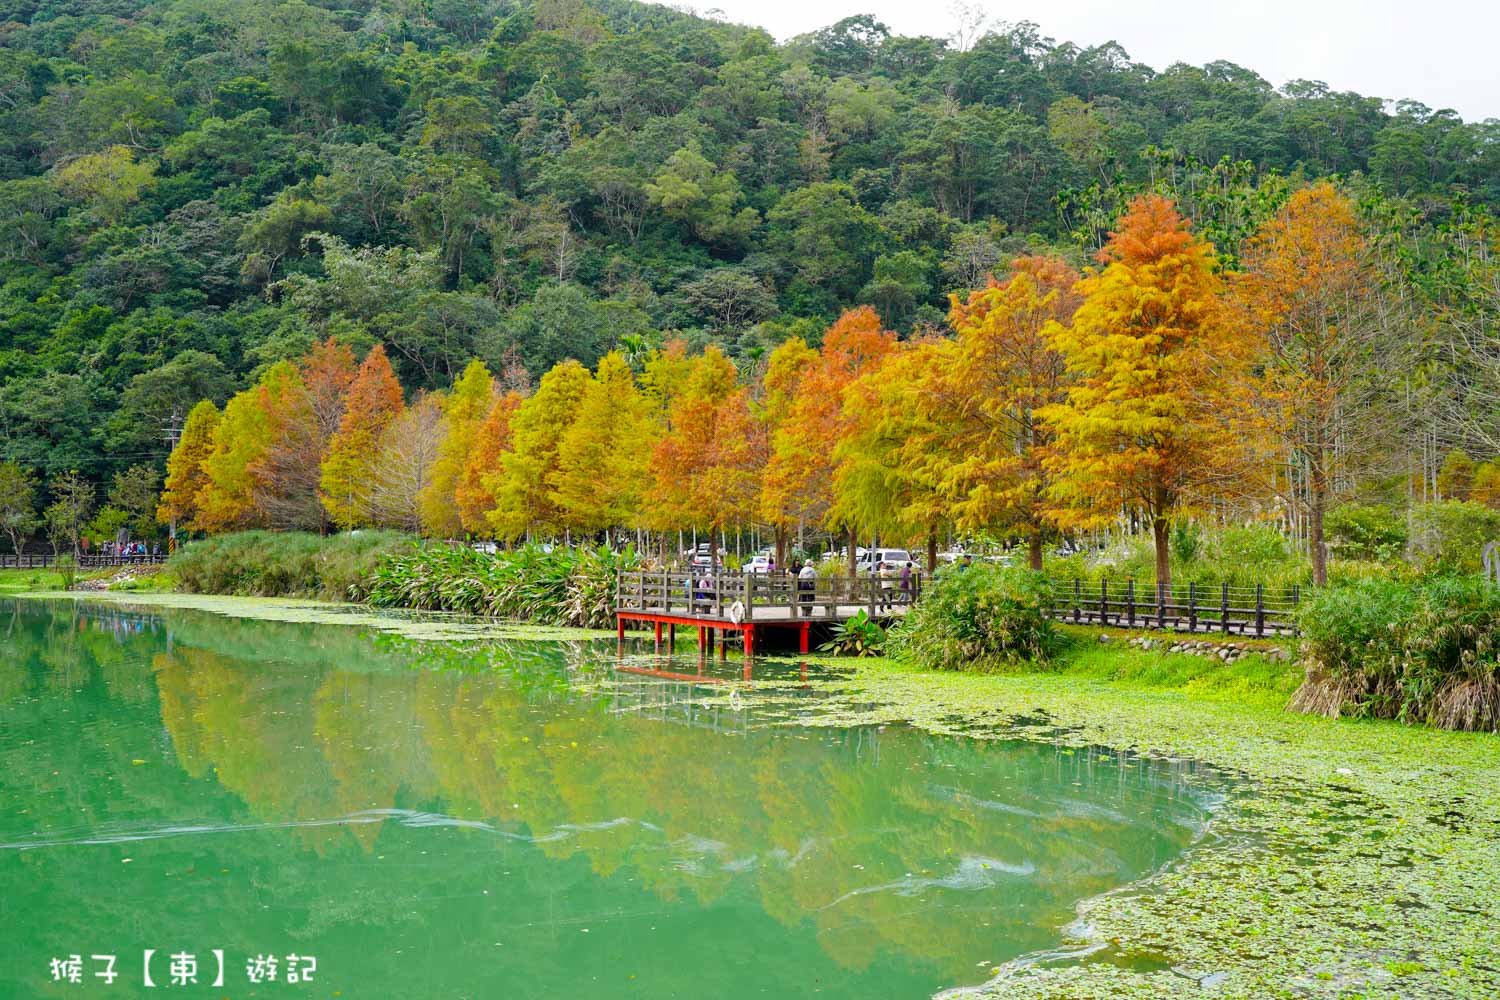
(1241,610)
(88,560)
(761,597)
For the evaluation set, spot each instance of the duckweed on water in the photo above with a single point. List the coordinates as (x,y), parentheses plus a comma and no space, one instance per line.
(1351,859)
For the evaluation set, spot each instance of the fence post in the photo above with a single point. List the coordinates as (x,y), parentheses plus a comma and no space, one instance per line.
(1163,594)
(1260,610)
(749,599)
(1130,601)
(1077,600)
(1104,601)
(874,582)
(1192,606)
(1224,607)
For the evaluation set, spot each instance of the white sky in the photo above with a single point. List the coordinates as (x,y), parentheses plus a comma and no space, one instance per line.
(1444,53)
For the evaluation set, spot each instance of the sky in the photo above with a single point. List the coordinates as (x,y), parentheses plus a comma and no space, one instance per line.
(1440,52)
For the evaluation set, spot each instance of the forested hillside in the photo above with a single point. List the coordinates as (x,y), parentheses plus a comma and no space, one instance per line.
(193,190)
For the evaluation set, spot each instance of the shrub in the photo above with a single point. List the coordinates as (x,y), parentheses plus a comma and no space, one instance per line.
(1372,533)
(284,564)
(859,636)
(1450,536)
(550,586)
(979,618)
(1416,652)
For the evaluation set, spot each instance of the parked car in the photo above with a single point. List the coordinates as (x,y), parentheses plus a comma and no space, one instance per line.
(759,563)
(877,558)
(704,557)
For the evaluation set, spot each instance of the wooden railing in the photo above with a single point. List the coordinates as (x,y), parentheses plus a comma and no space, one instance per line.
(760,596)
(1232,610)
(1243,610)
(87,560)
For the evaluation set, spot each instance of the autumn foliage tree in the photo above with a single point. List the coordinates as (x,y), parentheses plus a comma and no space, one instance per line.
(987,390)
(402,472)
(464,409)
(185,475)
(1310,290)
(233,495)
(373,401)
(799,475)
(1148,422)
(601,481)
(302,412)
(705,468)
(473,494)
(891,457)
(524,483)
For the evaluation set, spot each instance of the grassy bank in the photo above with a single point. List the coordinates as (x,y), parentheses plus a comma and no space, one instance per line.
(1352,859)
(22,581)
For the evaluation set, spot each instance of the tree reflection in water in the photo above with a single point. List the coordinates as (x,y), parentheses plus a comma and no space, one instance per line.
(462,814)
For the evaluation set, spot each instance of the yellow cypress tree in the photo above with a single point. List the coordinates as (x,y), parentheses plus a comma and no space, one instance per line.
(1147,424)
(185,475)
(985,396)
(527,476)
(242,440)
(600,480)
(891,454)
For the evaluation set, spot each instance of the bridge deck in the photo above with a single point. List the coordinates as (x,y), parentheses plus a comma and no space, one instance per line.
(743,602)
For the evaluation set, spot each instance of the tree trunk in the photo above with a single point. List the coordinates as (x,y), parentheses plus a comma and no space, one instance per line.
(781,547)
(853,553)
(932,552)
(1034,548)
(1317,505)
(1162,539)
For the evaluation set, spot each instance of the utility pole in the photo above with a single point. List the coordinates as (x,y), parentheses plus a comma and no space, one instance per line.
(172,433)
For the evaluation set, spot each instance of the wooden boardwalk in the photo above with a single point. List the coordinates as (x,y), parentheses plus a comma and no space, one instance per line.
(742,602)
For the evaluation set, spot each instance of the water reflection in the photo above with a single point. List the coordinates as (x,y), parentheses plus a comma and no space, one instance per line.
(303,784)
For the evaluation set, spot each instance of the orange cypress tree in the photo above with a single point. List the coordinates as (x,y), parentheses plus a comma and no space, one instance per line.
(1156,361)
(787,366)
(1311,289)
(373,401)
(473,494)
(799,475)
(302,414)
(464,410)
(705,467)
(984,397)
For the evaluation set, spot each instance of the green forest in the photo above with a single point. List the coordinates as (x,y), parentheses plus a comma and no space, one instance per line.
(194,190)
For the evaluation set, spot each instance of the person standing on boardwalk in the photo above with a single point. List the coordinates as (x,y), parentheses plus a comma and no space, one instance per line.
(806,584)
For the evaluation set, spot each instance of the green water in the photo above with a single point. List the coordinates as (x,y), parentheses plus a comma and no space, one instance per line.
(459,821)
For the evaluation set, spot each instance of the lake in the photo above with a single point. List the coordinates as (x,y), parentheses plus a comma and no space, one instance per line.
(515,819)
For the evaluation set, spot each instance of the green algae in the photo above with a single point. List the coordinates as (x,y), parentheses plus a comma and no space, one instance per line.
(1350,859)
